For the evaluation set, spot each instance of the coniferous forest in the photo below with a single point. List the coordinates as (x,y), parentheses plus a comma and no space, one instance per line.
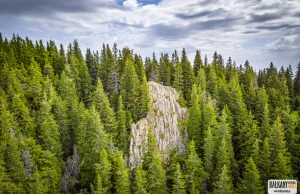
(66,115)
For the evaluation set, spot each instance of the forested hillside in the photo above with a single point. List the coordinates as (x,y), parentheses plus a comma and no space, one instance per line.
(66,116)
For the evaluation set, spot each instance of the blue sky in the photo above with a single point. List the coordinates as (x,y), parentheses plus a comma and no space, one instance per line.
(260,31)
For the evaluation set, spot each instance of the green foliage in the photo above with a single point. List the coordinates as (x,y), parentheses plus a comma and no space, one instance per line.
(152,164)
(280,156)
(178,186)
(187,76)
(65,122)
(103,170)
(194,172)
(197,63)
(130,87)
(101,103)
(194,120)
(224,185)
(120,175)
(122,134)
(178,76)
(251,179)
(91,140)
(140,181)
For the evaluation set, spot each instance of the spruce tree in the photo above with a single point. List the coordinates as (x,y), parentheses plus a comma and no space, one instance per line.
(47,129)
(101,103)
(139,182)
(297,81)
(187,76)
(224,185)
(211,80)
(201,79)
(152,164)
(197,62)
(289,82)
(103,170)
(153,70)
(122,134)
(224,139)
(296,88)
(264,163)
(194,120)
(130,86)
(251,179)
(280,156)
(209,162)
(91,140)
(248,137)
(177,76)
(179,185)
(10,154)
(120,175)
(290,123)
(194,173)
(144,101)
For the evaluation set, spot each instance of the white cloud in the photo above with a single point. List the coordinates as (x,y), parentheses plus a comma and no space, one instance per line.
(131,4)
(285,43)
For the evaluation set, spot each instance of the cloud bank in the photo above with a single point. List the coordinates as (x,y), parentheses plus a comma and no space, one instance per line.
(260,31)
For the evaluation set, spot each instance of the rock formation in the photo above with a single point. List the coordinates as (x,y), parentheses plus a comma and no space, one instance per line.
(165,118)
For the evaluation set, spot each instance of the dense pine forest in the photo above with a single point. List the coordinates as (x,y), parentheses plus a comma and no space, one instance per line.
(66,116)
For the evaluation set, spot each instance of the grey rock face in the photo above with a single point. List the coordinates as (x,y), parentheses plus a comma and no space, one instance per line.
(164,118)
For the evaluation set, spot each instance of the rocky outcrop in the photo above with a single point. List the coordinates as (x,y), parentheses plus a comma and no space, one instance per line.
(165,118)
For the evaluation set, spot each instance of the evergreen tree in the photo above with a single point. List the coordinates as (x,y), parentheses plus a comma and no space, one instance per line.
(61,61)
(248,137)
(187,76)
(120,176)
(122,134)
(139,182)
(101,104)
(166,70)
(85,83)
(130,89)
(279,155)
(152,164)
(290,123)
(238,111)
(178,77)
(179,185)
(10,155)
(19,107)
(297,81)
(201,79)
(264,164)
(289,82)
(209,162)
(251,179)
(194,173)
(194,120)
(225,154)
(296,88)
(90,136)
(224,185)
(103,173)
(47,129)
(34,91)
(211,80)
(144,101)
(262,113)
(152,70)
(197,62)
